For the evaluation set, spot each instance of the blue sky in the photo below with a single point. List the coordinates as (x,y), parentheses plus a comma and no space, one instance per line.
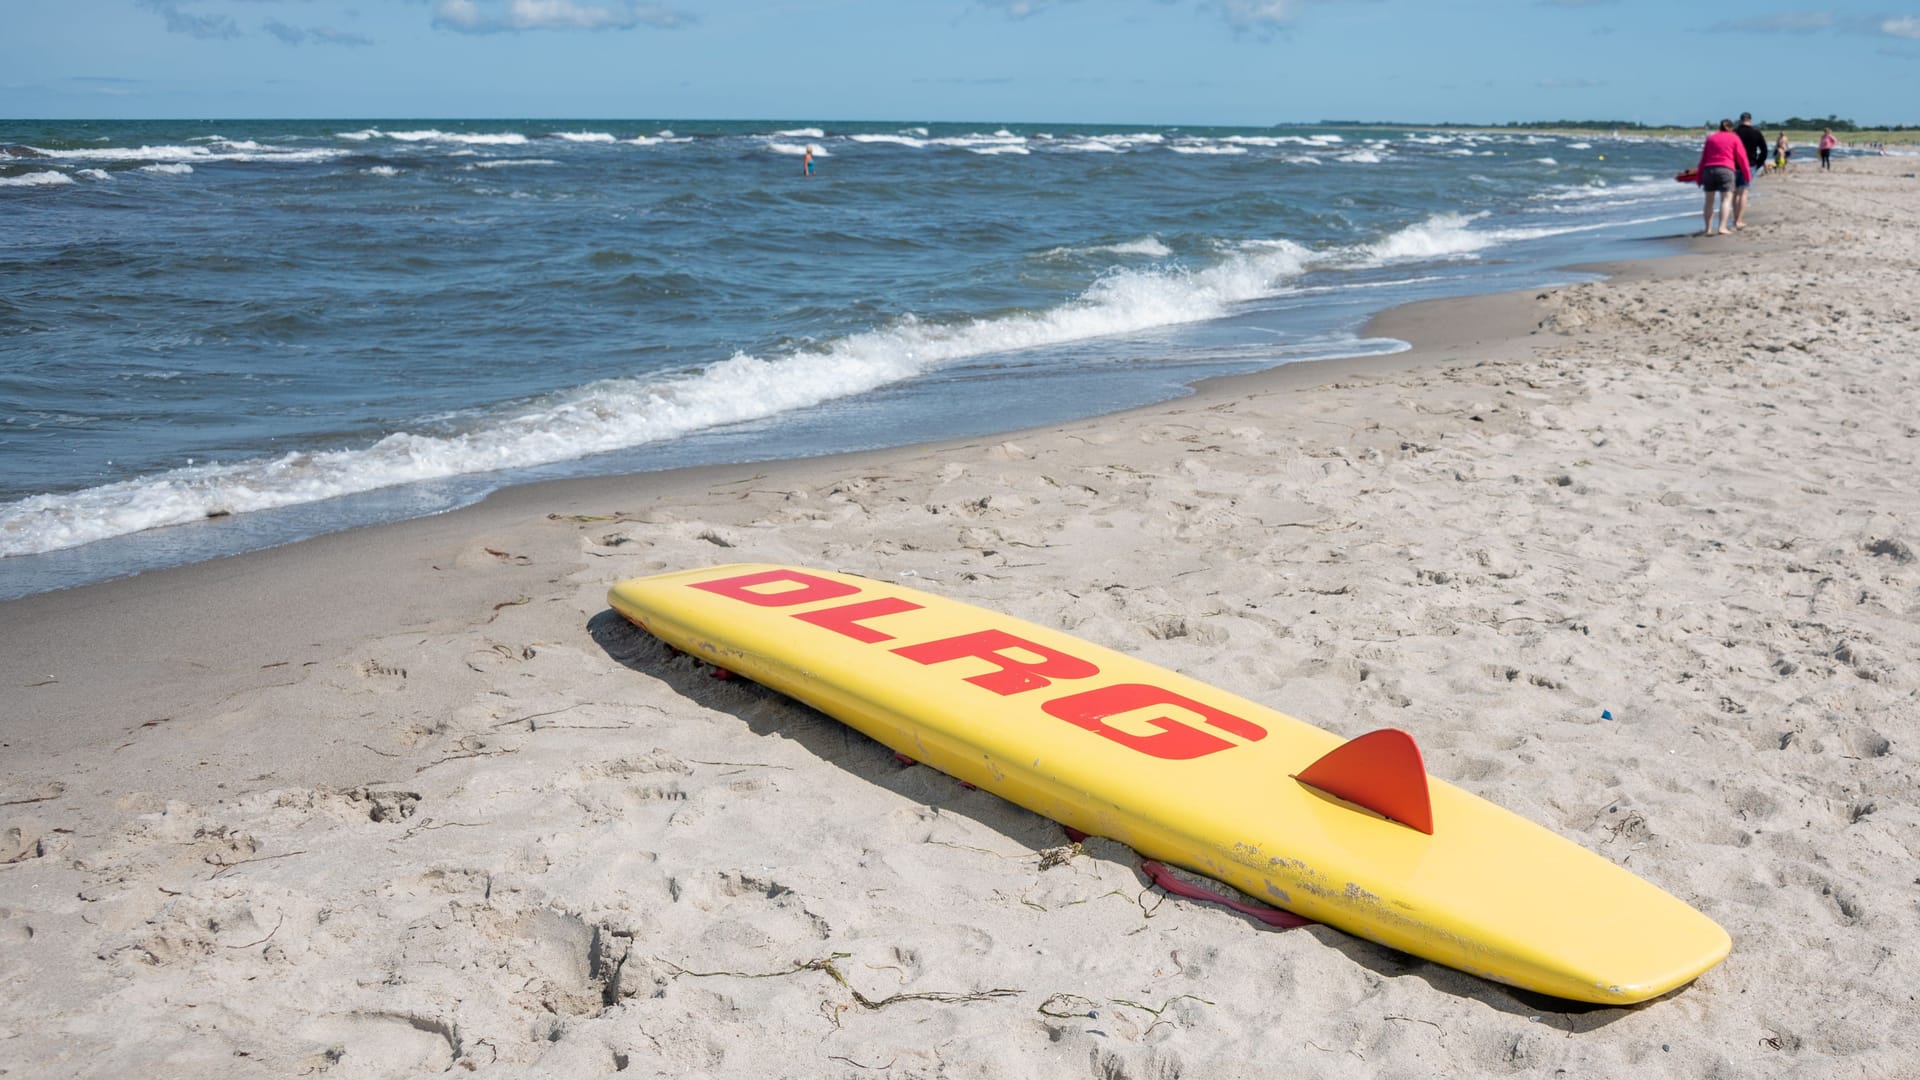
(1094,61)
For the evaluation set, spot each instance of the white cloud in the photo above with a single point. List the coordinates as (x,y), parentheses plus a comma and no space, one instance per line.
(493,16)
(206,27)
(1784,22)
(1017,9)
(1908,27)
(319,35)
(1255,15)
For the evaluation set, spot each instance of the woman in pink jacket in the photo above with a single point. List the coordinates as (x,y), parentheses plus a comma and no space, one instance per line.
(1723,158)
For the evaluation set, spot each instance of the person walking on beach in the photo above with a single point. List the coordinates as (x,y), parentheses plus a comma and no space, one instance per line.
(1755,142)
(1722,161)
(1827,143)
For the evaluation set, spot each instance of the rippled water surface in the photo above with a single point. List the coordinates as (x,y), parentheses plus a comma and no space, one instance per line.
(287,327)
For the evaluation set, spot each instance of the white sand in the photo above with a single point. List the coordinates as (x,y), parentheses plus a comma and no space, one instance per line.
(411,799)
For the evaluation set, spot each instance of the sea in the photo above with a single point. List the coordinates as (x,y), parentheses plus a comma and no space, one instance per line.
(224,335)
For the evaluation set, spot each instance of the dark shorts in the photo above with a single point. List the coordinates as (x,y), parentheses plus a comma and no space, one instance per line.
(1718,178)
(1741,183)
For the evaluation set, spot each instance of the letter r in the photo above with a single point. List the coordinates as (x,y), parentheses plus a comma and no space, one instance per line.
(1016,673)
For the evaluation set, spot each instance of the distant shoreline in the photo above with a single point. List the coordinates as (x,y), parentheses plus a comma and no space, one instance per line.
(1907,136)
(1904,136)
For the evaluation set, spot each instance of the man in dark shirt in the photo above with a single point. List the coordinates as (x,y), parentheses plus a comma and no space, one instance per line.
(1756,143)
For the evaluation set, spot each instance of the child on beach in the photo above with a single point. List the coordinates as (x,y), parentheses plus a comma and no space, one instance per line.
(1827,143)
(1723,163)
(1782,153)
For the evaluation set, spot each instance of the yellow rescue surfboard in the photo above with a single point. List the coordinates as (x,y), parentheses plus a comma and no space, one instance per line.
(1350,833)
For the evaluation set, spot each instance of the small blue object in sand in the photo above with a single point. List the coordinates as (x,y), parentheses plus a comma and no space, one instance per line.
(1606,714)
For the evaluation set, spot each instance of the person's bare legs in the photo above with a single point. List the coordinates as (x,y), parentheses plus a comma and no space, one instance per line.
(1719,214)
(1706,216)
(1739,208)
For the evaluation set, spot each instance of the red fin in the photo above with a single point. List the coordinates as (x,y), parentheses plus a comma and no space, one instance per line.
(1381,771)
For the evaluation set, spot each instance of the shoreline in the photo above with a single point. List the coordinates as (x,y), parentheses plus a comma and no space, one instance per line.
(421,771)
(1493,326)
(1297,373)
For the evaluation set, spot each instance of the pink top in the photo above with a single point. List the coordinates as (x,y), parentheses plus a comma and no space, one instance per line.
(1828,142)
(1724,150)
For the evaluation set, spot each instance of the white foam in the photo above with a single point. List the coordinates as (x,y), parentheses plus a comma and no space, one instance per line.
(584,136)
(1206,148)
(1598,195)
(1149,246)
(44,178)
(999,142)
(797,149)
(802,133)
(1452,236)
(505,138)
(620,413)
(196,154)
(168,169)
(384,170)
(358,136)
(502,163)
(1278,140)
(1115,143)
(895,140)
(999,148)
(1444,235)
(1361,157)
(138,153)
(96,174)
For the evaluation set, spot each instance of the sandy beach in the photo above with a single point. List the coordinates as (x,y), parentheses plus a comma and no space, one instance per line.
(1635,559)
